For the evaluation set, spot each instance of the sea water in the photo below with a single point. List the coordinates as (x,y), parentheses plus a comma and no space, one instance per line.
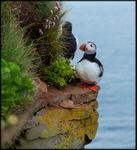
(111,26)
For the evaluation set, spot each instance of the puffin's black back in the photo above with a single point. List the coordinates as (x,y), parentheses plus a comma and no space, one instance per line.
(69,40)
(70,46)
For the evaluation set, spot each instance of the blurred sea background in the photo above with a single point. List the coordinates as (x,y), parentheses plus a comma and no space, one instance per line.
(111,26)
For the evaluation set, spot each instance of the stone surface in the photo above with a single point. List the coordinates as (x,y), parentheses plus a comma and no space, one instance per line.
(55,127)
(67,104)
(10,133)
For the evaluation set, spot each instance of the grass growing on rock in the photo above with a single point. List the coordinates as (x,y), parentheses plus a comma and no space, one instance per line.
(17,57)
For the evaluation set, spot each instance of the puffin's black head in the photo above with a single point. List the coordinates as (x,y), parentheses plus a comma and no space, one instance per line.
(67,27)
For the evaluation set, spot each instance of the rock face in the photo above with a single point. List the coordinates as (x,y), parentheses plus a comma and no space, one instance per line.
(64,119)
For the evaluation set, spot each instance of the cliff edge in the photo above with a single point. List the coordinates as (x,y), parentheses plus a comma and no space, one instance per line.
(62,119)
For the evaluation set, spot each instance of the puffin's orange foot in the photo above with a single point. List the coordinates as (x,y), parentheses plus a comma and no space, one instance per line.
(92,87)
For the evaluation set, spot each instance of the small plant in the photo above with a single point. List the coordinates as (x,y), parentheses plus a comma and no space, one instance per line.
(58,73)
(17,87)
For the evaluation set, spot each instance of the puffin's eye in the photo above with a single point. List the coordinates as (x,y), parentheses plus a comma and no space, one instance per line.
(91,45)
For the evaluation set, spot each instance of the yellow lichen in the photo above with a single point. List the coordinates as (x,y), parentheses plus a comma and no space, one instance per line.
(70,124)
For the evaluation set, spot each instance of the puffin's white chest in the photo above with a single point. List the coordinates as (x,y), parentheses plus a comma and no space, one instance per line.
(88,71)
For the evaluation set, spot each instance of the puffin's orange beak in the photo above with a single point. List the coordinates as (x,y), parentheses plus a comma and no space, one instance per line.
(82,47)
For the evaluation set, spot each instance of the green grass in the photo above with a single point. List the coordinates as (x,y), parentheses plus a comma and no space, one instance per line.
(17,57)
(14,46)
(49,46)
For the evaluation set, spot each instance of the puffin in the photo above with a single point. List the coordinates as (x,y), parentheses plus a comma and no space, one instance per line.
(70,40)
(89,69)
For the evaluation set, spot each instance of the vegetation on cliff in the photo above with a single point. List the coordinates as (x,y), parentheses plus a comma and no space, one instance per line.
(31,47)
(43,20)
(17,85)
(34,116)
(58,73)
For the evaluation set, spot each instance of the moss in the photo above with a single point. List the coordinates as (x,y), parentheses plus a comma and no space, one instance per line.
(69,125)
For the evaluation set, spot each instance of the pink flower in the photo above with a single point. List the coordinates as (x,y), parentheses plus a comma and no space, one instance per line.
(40,32)
(57,4)
(57,7)
(47,20)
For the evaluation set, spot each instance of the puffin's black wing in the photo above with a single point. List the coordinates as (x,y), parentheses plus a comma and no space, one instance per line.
(91,58)
(100,66)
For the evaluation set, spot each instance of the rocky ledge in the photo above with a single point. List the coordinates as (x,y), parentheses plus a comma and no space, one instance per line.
(62,119)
